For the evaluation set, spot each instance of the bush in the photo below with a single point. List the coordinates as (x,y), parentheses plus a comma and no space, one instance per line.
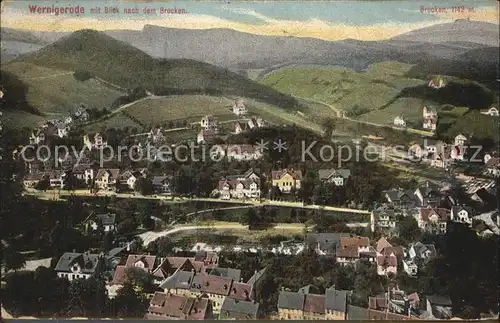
(81,75)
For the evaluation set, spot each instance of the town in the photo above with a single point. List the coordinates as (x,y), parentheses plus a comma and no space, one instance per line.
(232,164)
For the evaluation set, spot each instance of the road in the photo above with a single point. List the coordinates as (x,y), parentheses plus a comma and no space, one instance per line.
(51,195)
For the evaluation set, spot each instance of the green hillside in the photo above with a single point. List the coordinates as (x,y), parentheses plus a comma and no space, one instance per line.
(124,65)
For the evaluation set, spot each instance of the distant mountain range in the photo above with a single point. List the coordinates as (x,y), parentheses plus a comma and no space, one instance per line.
(237,50)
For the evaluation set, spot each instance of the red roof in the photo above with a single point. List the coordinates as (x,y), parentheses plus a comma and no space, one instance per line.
(149,261)
(241,291)
(168,306)
(493,162)
(426,213)
(314,304)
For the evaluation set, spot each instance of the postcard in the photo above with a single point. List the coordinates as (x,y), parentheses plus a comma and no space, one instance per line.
(250,160)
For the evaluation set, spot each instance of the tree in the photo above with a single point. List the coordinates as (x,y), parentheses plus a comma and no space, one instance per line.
(87,297)
(408,229)
(140,279)
(130,303)
(144,186)
(43,184)
(107,242)
(161,246)
(12,259)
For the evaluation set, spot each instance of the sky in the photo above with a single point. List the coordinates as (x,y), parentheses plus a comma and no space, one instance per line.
(328,20)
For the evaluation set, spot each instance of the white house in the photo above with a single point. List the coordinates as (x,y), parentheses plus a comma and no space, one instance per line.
(399,121)
(209,123)
(462,214)
(429,113)
(98,142)
(37,137)
(68,120)
(433,219)
(243,152)
(437,84)
(62,129)
(337,176)
(239,108)
(493,112)
(204,136)
(460,140)
(410,267)
(256,123)
(492,165)
(106,178)
(240,186)
(429,124)
(73,265)
(129,178)
(156,135)
(108,221)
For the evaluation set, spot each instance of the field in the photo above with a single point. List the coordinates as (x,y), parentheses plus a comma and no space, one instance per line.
(409,108)
(55,92)
(20,119)
(180,107)
(116,121)
(345,89)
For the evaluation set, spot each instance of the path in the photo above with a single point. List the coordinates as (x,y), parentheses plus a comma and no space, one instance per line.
(48,76)
(55,195)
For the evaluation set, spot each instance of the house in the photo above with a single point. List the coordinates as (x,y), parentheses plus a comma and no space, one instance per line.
(108,222)
(205,135)
(417,256)
(410,267)
(429,113)
(324,243)
(68,120)
(433,219)
(128,178)
(427,195)
(430,124)
(399,121)
(439,306)
(74,265)
(462,214)
(62,129)
(387,257)
(337,176)
(146,263)
(163,184)
(436,83)
(106,178)
(286,179)
(209,123)
(239,108)
(256,123)
(243,152)
(493,112)
(240,127)
(399,197)
(384,218)
(421,253)
(484,198)
(56,178)
(164,306)
(97,142)
(440,160)
(156,135)
(306,305)
(37,137)
(240,186)
(233,309)
(82,114)
(492,165)
(31,180)
(460,140)
(352,249)
(457,152)
(84,172)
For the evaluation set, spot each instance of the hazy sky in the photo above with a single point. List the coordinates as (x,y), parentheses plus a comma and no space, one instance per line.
(363,20)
